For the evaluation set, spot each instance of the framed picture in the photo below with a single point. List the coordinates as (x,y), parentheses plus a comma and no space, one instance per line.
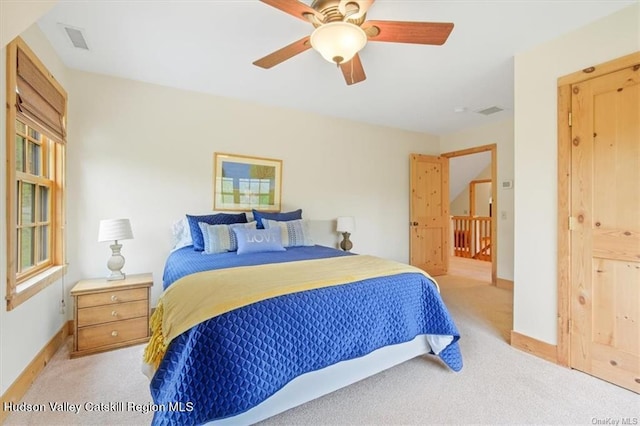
(242,183)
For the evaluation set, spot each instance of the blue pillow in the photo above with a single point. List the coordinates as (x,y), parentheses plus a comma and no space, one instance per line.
(211,219)
(282,217)
(258,240)
(293,233)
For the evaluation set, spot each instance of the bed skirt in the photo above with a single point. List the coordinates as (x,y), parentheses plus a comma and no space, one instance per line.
(315,384)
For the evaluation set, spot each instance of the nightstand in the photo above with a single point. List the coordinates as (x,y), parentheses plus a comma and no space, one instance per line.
(110,314)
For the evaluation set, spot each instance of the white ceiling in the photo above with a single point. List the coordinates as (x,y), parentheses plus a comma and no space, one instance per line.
(209,46)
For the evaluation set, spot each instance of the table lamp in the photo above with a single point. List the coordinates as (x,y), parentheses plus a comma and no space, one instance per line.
(346,225)
(115,230)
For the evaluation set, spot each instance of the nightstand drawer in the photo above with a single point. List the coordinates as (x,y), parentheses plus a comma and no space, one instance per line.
(112,333)
(111,297)
(110,313)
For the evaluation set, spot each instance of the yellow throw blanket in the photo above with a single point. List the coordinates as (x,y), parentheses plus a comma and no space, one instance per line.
(198,297)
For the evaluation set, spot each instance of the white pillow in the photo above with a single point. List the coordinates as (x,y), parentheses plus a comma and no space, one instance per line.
(180,234)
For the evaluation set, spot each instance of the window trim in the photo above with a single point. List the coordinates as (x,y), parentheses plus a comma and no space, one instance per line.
(18,291)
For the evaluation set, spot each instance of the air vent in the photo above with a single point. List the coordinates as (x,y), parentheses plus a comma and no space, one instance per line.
(490,110)
(76,36)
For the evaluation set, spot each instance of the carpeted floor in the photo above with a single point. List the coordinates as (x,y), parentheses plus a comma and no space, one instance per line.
(498,384)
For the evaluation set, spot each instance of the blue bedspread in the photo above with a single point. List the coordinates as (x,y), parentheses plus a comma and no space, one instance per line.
(232,362)
(187,261)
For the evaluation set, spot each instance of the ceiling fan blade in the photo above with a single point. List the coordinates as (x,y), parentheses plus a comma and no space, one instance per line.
(283,54)
(353,71)
(361,6)
(295,8)
(408,32)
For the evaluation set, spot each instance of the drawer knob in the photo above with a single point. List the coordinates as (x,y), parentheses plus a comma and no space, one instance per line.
(114,298)
(114,333)
(114,314)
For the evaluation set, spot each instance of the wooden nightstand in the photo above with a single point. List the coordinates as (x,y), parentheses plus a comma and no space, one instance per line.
(110,314)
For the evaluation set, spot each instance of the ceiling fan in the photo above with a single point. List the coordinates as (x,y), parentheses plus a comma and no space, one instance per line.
(341,31)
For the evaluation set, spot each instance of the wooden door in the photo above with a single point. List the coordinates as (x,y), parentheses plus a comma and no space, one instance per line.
(429,213)
(605,237)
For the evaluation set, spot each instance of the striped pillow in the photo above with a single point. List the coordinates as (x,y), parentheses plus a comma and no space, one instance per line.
(221,238)
(294,233)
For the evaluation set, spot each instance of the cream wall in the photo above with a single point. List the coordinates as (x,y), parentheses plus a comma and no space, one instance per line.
(18,15)
(535,158)
(146,152)
(482,198)
(500,133)
(26,329)
(460,205)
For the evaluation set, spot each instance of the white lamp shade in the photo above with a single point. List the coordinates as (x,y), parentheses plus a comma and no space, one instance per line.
(346,224)
(338,42)
(115,229)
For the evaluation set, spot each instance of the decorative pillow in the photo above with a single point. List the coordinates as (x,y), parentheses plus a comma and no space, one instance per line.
(258,240)
(221,238)
(211,219)
(294,232)
(181,235)
(282,217)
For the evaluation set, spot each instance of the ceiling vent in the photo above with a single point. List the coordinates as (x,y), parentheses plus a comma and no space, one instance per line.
(490,110)
(76,36)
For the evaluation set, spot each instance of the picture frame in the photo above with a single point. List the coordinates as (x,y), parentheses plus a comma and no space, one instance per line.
(242,183)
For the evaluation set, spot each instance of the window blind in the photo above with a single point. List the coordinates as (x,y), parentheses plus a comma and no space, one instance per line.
(37,98)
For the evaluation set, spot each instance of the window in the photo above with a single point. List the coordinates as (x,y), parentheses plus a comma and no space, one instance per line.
(34,189)
(35,176)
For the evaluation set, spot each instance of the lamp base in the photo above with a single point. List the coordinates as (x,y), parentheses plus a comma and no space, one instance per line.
(346,243)
(116,263)
(116,275)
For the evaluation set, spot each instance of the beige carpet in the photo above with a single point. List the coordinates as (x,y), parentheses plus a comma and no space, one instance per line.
(498,384)
(102,378)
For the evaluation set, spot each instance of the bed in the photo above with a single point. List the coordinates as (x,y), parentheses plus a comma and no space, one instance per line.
(352,316)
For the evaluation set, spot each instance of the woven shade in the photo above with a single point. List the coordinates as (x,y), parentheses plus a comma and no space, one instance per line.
(37,98)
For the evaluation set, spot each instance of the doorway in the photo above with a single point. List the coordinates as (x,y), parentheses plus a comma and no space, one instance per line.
(467,204)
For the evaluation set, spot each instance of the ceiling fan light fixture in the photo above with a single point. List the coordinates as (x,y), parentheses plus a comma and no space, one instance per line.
(338,42)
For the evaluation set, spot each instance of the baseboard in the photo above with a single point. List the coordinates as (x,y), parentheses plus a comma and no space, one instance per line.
(535,347)
(24,381)
(505,284)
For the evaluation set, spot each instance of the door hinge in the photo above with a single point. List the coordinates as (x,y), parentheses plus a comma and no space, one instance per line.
(569,323)
(570,120)
(572,223)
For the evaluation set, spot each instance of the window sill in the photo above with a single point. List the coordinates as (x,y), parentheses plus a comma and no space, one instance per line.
(32,286)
